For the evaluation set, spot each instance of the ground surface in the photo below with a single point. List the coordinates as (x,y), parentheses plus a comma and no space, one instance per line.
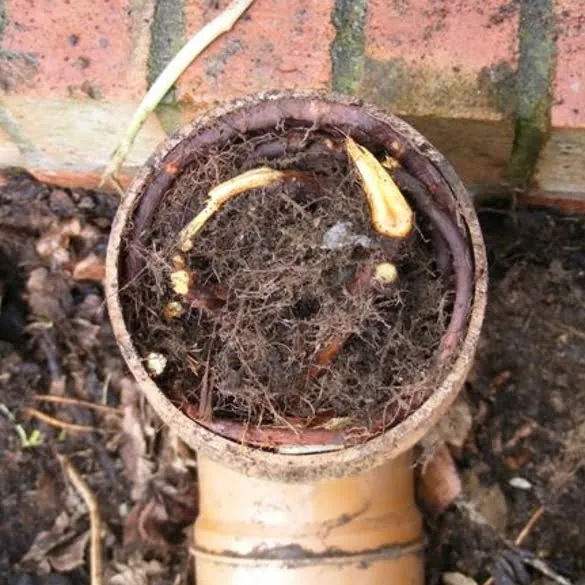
(526,395)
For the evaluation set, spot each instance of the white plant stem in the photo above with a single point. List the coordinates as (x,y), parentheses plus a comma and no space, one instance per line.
(194,47)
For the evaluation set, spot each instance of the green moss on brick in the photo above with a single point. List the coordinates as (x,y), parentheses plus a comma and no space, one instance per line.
(411,90)
(347,51)
(167,36)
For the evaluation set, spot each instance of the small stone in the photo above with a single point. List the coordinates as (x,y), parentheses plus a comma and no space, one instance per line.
(457,579)
(520,483)
(340,235)
(336,236)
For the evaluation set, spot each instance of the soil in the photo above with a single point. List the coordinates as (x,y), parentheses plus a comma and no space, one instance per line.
(280,277)
(526,393)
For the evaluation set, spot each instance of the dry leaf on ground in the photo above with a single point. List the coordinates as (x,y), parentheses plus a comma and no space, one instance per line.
(70,555)
(49,296)
(92,267)
(54,243)
(61,548)
(489,501)
(136,572)
(133,451)
(439,482)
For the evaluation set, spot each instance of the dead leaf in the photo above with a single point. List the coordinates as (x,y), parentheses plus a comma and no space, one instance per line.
(68,556)
(439,483)
(90,235)
(54,243)
(86,333)
(136,572)
(518,460)
(91,309)
(453,430)
(522,432)
(489,501)
(92,267)
(133,451)
(455,426)
(144,524)
(159,523)
(37,557)
(61,204)
(175,454)
(49,296)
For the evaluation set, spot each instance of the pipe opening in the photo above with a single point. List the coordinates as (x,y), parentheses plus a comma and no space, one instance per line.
(288,321)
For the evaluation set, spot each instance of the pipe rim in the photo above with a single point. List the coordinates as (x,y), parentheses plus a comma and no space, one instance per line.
(331,464)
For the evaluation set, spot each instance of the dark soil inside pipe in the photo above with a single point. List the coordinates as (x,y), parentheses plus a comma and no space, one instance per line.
(274,331)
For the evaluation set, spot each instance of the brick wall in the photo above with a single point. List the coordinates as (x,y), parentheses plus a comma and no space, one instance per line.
(498,86)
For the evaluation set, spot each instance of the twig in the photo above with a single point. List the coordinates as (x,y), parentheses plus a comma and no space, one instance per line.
(60,424)
(523,534)
(77,402)
(163,83)
(95,542)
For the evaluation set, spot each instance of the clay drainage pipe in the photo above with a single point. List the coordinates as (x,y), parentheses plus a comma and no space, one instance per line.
(340,510)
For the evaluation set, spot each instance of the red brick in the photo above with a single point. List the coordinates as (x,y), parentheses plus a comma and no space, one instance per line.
(69,142)
(448,52)
(560,168)
(77,48)
(277,44)
(569,87)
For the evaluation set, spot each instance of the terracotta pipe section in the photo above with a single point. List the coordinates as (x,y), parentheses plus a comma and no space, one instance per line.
(362,529)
